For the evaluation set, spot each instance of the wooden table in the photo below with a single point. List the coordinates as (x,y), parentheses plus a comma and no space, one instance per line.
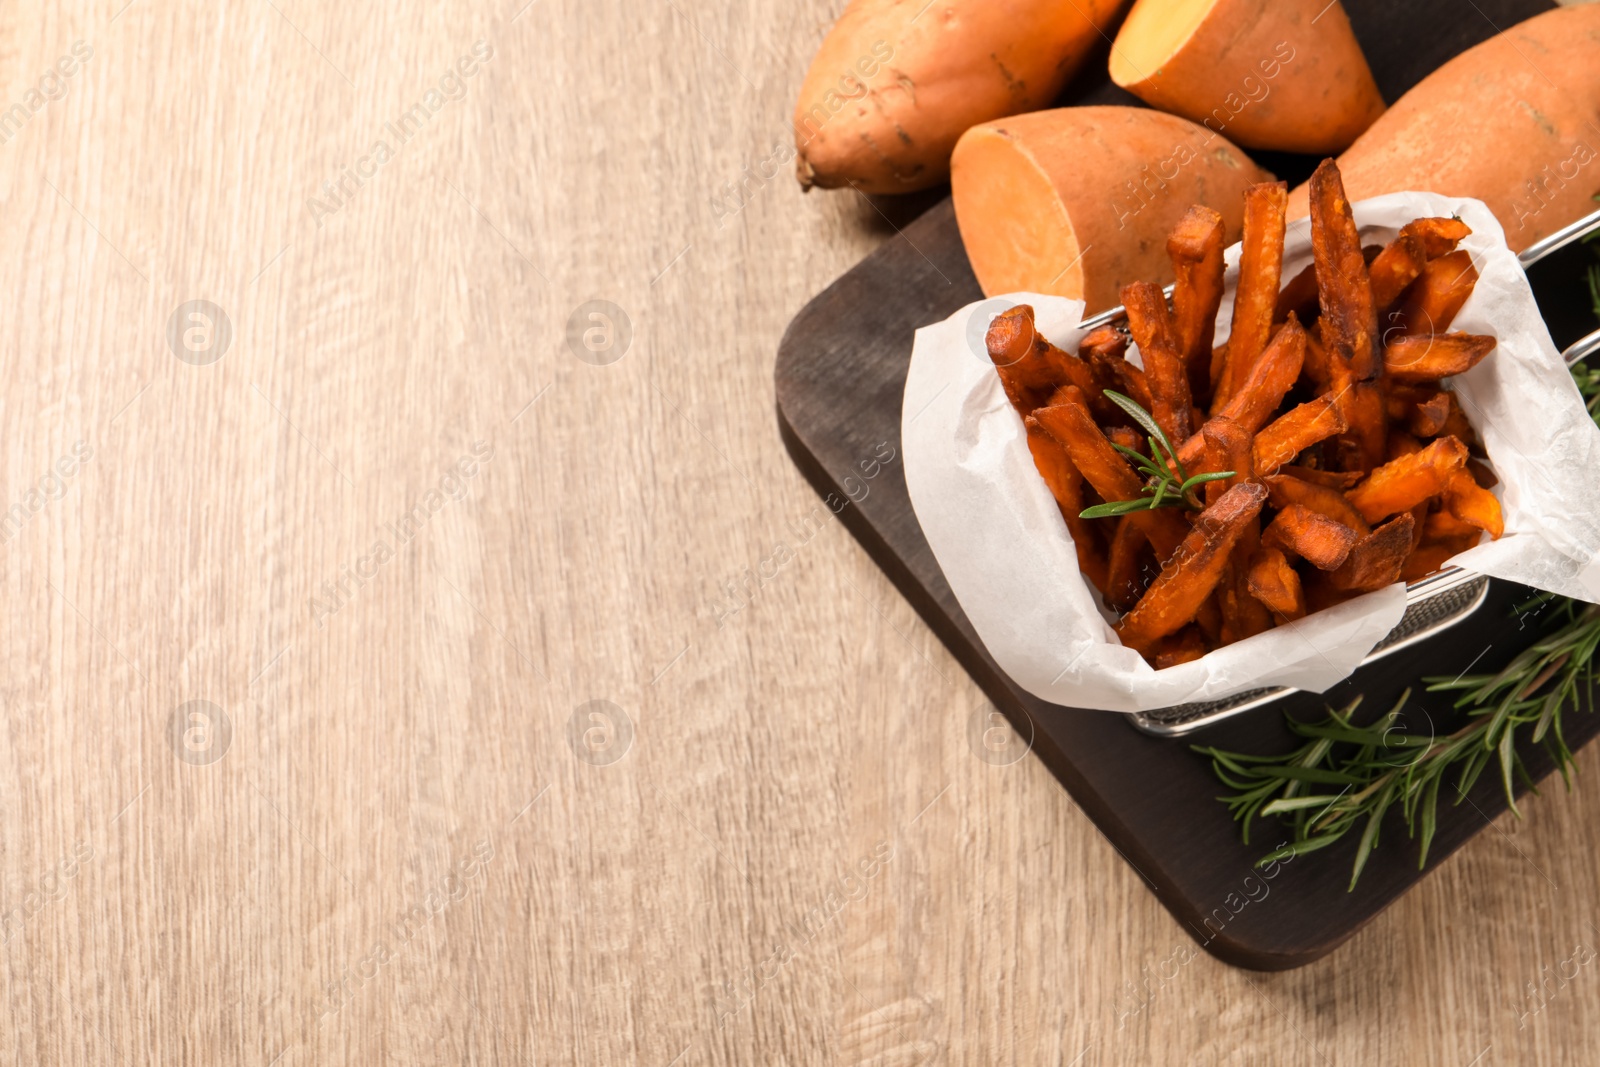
(407,665)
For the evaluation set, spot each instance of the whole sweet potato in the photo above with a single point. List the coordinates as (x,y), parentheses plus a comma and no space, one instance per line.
(1514,122)
(897,82)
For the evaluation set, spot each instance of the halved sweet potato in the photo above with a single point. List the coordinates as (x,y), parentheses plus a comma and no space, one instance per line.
(1077,201)
(1279,76)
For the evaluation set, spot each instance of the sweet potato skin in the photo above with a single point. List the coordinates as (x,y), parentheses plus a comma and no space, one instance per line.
(1267,73)
(1509,122)
(1035,217)
(894,85)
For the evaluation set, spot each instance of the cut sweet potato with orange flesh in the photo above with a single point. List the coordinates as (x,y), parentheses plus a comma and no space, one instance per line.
(1227,448)
(1274,583)
(1471,503)
(1055,202)
(1192,573)
(1218,62)
(1298,297)
(1185,646)
(1066,485)
(1255,299)
(1285,491)
(1296,430)
(1436,297)
(1429,357)
(1320,541)
(1349,322)
(1406,481)
(1396,267)
(1164,368)
(1377,559)
(1125,577)
(1105,469)
(1439,236)
(1269,379)
(1195,247)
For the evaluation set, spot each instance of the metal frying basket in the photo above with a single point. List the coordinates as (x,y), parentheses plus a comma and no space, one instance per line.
(1433,604)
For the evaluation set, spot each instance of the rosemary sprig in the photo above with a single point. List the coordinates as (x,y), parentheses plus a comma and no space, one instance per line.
(1347,776)
(1167,484)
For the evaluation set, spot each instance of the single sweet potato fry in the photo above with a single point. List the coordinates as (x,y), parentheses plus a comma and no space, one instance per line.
(1125,578)
(1243,615)
(1066,485)
(1406,481)
(1164,368)
(1349,323)
(1317,370)
(1185,646)
(1269,380)
(1195,247)
(1255,299)
(1439,236)
(1286,490)
(1396,267)
(1299,297)
(1296,430)
(1320,541)
(1031,368)
(1192,573)
(1104,468)
(1377,559)
(1435,298)
(1471,503)
(1429,357)
(1274,583)
(1227,448)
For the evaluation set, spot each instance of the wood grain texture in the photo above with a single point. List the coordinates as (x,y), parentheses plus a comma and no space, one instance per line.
(416,847)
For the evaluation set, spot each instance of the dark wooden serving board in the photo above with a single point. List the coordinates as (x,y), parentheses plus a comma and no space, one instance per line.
(841,371)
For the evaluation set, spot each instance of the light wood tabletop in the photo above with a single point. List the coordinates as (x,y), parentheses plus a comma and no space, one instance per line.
(422,650)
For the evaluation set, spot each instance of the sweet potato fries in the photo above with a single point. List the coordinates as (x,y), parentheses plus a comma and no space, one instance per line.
(1214,491)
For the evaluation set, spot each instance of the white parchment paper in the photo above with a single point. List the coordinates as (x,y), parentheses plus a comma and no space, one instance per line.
(999,537)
